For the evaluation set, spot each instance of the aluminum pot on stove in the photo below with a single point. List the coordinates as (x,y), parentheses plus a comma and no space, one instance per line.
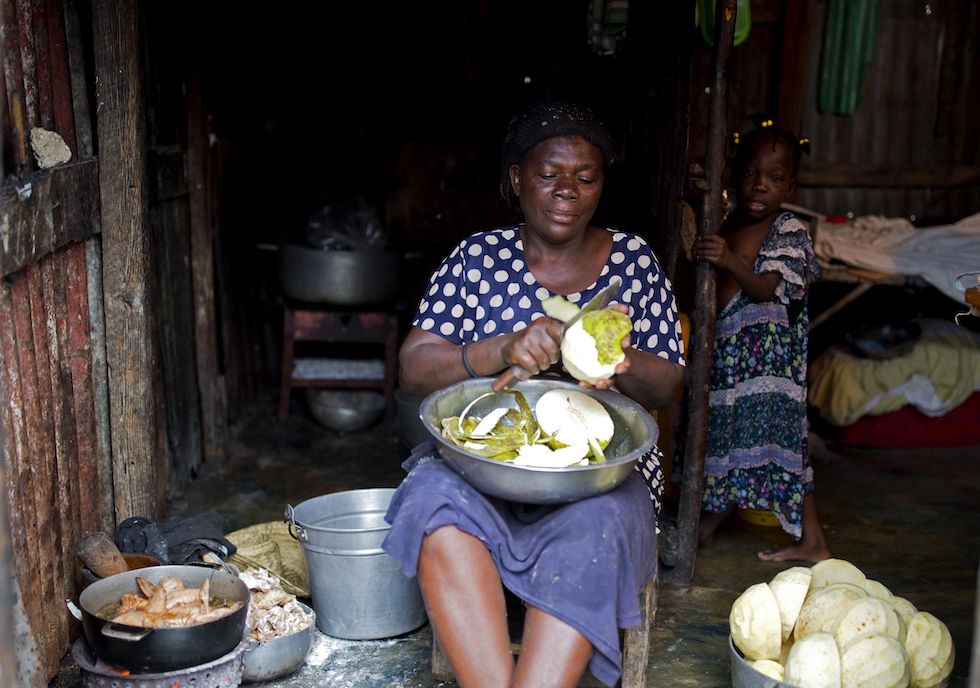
(162,649)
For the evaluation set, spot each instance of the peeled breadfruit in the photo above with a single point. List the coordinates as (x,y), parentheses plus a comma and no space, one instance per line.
(755,624)
(874,660)
(769,668)
(822,608)
(865,615)
(814,662)
(830,571)
(592,348)
(930,650)
(785,649)
(873,587)
(904,608)
(790,587)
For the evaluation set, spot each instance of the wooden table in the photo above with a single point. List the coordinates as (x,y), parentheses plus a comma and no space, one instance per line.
(311,323)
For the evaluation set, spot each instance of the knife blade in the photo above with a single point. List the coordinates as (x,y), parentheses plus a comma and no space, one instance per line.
(517,373)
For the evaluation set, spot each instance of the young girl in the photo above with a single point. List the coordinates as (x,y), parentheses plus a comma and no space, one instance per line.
(757,432)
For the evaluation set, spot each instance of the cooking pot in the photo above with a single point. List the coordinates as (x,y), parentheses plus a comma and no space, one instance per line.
(162,649)
(340,278)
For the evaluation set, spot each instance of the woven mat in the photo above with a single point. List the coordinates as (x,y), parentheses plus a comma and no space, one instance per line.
(271,547)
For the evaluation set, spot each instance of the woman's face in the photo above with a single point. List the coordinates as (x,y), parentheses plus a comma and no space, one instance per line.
(559,185)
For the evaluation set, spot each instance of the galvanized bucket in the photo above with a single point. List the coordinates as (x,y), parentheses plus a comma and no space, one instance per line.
(358,591)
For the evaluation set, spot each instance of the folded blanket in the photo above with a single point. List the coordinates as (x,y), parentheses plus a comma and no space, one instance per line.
(940,371)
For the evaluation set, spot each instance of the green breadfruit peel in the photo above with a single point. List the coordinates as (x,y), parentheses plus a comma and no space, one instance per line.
(559,308)
(608,329)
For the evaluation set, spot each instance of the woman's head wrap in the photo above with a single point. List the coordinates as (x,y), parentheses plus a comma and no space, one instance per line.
(546,120)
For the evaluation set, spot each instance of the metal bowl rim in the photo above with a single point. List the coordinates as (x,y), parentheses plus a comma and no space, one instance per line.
(599,394)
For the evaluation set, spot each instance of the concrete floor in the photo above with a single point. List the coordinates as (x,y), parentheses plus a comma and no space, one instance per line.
(908,518)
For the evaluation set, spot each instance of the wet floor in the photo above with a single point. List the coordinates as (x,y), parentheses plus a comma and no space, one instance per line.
(908,518)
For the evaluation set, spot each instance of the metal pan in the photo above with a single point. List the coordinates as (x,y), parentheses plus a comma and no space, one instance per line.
(162,649)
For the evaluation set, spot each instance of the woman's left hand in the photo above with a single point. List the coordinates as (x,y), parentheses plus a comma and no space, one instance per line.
(623,366)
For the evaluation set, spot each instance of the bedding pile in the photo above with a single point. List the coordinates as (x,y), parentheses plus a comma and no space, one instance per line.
(893,245)
(938,374)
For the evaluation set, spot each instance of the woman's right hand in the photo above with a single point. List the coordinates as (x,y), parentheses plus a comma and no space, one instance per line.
(535,348)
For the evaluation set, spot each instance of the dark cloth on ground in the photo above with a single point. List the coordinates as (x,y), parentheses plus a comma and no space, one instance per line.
(584,563)
(178,540)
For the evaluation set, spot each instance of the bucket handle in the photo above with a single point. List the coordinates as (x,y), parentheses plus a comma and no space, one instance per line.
(290,519)
(344,552)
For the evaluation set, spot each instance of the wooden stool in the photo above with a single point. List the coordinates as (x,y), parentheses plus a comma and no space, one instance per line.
(339,327)
(636,643)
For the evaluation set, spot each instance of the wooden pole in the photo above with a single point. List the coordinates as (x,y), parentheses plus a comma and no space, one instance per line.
(213,410)
(125,255)
(703,321)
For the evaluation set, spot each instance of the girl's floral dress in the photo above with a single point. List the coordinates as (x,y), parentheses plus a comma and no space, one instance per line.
(757,448)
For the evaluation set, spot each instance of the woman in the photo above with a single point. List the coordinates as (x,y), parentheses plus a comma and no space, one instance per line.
(578,567)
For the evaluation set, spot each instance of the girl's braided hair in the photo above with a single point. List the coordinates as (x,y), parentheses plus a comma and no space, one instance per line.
(743,144)
(545,120)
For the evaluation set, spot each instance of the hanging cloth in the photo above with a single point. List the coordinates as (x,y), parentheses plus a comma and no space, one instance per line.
(606,25)
(848,49)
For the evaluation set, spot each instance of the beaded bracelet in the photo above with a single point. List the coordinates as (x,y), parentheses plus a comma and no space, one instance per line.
(466,362)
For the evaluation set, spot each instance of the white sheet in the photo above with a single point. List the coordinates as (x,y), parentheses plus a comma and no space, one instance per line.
(936,254)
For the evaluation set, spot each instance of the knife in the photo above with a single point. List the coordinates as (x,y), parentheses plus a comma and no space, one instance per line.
(517,373)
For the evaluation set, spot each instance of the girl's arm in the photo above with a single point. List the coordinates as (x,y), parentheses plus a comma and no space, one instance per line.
(714,249)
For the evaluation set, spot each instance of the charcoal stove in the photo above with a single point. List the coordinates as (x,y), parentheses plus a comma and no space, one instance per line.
(223,672)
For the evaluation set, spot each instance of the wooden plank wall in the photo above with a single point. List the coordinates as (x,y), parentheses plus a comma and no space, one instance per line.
(59,484)
(912,148)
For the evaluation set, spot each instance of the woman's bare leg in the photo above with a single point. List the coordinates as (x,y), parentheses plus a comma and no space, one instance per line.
(812,546)
(553,654)
(464,600)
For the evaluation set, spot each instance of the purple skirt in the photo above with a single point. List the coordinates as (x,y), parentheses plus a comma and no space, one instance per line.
(584,563)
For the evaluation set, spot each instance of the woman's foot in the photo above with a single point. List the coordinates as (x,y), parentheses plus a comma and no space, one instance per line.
(708,524)
(798,551)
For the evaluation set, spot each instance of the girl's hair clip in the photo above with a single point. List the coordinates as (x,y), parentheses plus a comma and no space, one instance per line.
(762,121)
(733,141)
(805,146)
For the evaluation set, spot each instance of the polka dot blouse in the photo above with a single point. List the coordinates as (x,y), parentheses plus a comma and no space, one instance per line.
(484,288)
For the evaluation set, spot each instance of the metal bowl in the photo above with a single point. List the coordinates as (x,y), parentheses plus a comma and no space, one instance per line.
(345,410)
(745,676)
(635,434)
(269,659)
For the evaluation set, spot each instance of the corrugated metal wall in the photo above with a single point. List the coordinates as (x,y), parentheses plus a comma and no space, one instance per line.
(915,131)
(919,111)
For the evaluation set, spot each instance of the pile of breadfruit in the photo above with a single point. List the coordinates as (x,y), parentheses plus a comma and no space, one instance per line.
(830,626)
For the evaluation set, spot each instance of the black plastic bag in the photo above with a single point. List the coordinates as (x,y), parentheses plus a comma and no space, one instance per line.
(351,225)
